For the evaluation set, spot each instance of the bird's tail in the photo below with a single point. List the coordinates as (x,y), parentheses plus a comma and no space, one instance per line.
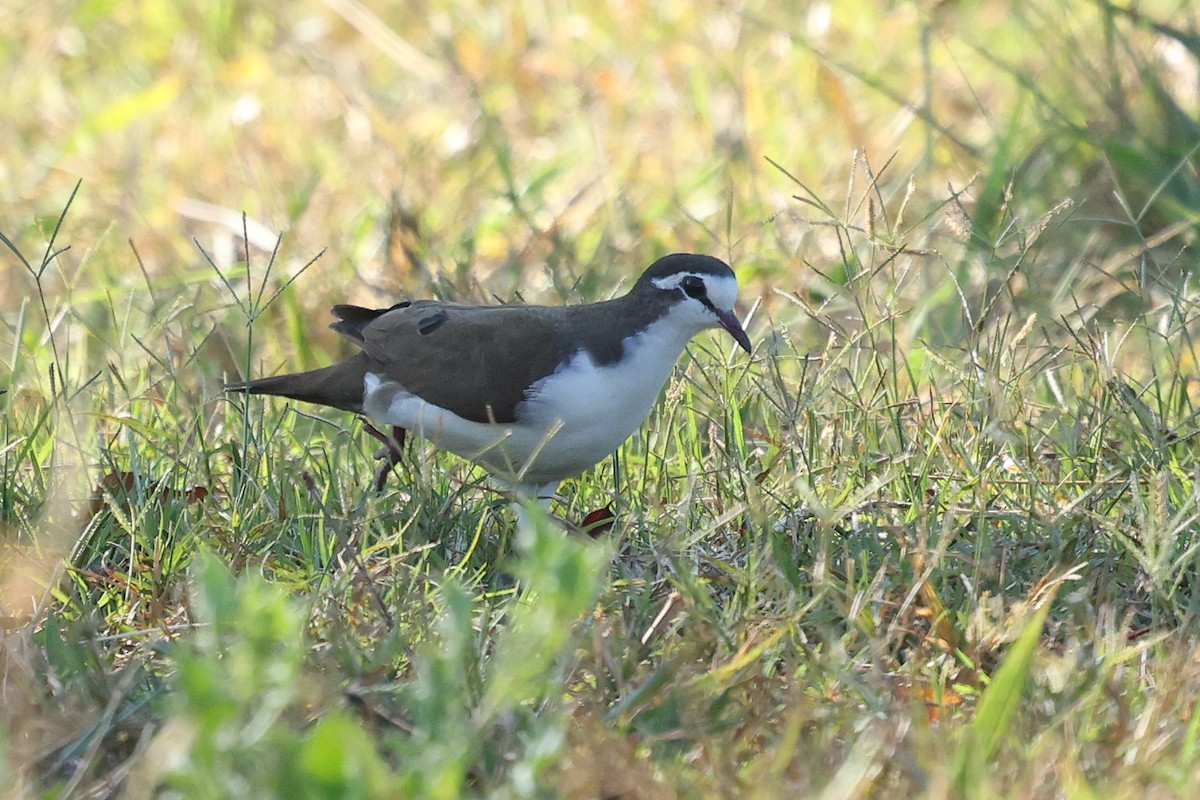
(339,385)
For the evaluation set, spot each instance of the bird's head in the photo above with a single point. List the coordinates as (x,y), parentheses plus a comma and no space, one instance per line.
(702,290)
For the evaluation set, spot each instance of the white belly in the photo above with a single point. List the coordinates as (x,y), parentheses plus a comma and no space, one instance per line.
(572,418)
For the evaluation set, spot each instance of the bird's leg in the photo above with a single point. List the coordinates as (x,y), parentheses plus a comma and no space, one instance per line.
(389,454)
(533,495)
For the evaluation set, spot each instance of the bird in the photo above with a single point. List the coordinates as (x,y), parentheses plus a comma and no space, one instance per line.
(533,394)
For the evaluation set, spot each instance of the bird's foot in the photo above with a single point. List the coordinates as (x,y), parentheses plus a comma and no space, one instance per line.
(595,524)
(389,454)
(599,522)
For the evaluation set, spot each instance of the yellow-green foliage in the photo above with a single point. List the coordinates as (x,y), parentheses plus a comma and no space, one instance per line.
(936,538)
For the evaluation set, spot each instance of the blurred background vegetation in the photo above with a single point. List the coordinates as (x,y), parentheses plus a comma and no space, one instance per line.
(433,140)
(964,232)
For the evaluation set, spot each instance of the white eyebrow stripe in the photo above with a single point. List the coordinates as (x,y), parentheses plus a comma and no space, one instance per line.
(673,281)
(721,290)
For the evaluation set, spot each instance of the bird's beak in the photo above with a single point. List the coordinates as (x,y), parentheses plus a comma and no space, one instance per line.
(729,322)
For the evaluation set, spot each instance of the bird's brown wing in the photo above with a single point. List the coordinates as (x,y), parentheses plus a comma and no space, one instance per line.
(476,361)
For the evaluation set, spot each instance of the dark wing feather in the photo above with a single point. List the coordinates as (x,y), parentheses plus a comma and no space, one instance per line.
(352,319)
(476,361)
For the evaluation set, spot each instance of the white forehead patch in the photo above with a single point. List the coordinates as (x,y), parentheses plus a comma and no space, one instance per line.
(722,290)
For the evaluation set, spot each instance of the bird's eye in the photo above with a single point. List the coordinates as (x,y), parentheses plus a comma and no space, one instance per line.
(693,287)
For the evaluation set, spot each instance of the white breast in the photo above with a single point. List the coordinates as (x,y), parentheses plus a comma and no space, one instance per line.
(598,407)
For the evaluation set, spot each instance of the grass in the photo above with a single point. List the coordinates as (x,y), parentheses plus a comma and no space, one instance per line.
(936,538)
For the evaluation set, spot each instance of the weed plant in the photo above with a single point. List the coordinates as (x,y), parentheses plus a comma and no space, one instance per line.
(937,537)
